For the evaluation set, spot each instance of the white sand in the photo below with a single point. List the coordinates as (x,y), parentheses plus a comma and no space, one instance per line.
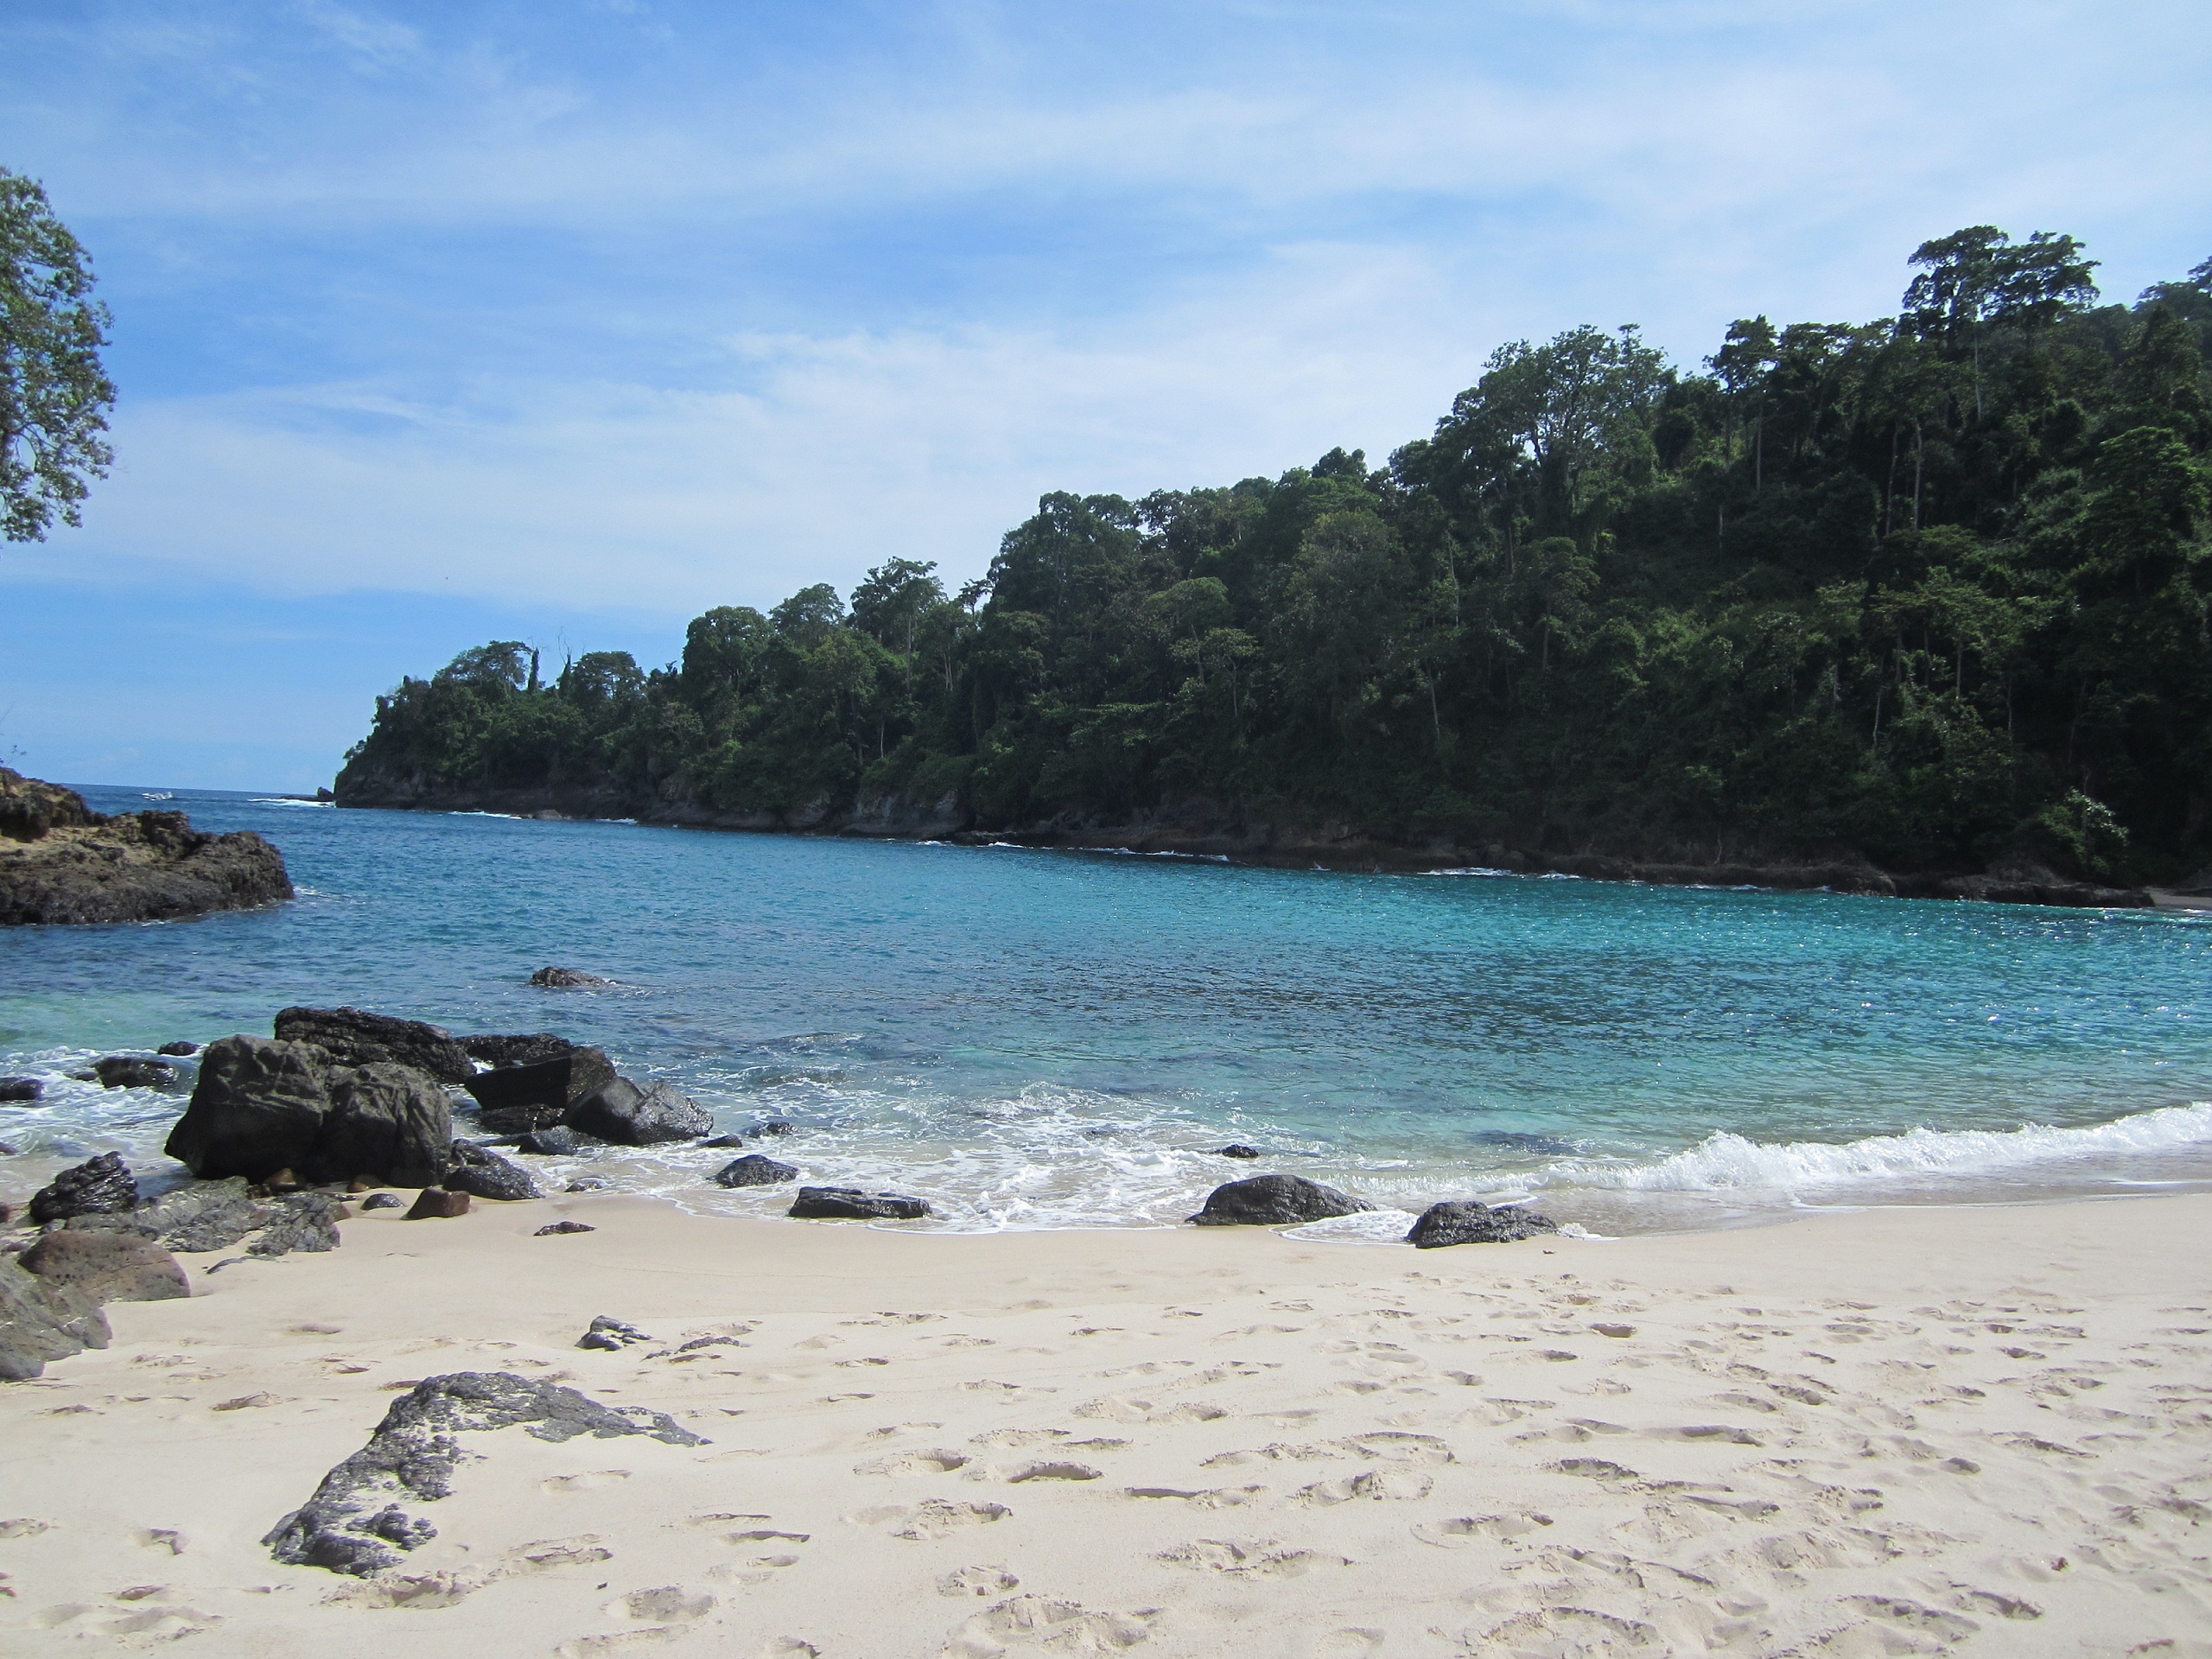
(1921,1431)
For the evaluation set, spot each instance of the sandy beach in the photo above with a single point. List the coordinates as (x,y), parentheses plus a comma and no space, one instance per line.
(1910,1431)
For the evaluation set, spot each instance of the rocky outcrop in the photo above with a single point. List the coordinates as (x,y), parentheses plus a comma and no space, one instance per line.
(1464,1222)
(100,1185)
(261,1106)
(41,1321)
(128,1071)
(1276,1201)
(754,1170)
(62,863)
(567,979)
(621,1112)
(850,1203)
(487,1175)
(108,1267)
(352,1037)
(353,1523)
(521,1094)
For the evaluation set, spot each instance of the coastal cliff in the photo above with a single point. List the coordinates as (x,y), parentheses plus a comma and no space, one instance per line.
(61,862)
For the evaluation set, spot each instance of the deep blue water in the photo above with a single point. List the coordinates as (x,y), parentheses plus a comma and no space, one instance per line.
(1054,1039)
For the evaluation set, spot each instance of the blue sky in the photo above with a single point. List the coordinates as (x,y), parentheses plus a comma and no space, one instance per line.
(564,320)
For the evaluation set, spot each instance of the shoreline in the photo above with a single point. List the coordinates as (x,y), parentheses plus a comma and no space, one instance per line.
(1925,1430)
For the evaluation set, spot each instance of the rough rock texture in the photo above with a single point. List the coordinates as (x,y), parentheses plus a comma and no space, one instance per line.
(613,1334)
(383,1201)
(559,1228)
(559,1142)
(108,1267)
(1276,1201)
(307,1221)
(754,1170)
(436,1204)
(487,1175)
(15,1091)
(100,1185)
(621,1112)
(566,979)
(179,1048)
(261,1106)
(850,1203)
(351,1037)
(353,1523)
(126,1072)
(40,1321)
(1236,1149)
(1469,1223)
(205,1215)
(61,862)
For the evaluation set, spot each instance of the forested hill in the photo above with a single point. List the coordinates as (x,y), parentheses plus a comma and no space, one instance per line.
(1929,592)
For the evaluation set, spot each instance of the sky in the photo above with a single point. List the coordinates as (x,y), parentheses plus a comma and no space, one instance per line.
(564,320)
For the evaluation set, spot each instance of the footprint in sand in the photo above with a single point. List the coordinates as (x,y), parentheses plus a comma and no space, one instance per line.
(1462,1530)
(933,1517)
(1214,1497)
(1042,1625)
(1053,1470)
(1249,1558)
(668,1604)
(1372,1483)
(584,1482)
(980,1581)
(906,1464)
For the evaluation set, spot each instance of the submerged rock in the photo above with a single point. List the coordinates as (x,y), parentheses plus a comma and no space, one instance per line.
(108,1267)
(1237,1149)
(100,1185)
(488,1175)
(1464,1222)
(621,1112)
(354,1523)
(17,1091)
(850,1203)
(566,979)
(123,1071)
(559,1142)
(1276,1201)
(354,1036)
(179,1048)
(754,1170)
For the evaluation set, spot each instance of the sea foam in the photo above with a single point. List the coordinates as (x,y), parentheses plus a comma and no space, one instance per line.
(1725,1160)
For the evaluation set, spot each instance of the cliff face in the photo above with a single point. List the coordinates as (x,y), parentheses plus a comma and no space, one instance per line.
(61,862)
(1284,837)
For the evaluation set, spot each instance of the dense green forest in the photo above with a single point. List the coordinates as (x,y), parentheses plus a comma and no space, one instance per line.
(1930,589)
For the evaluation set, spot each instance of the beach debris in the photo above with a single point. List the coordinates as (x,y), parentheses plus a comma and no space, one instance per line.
(1276,1201)
(488,1175)
(15,1091)
(1464,1222)
(1236,1149)
(354,1036)
(754,1170)
(108,1267)
(99,1185)
(566,979)
(179,1049)
(436,1204)
(354,1524)
(850,1203)
(42,1320)
(559,1142)
(621,1112)
(383,1201)
(262,1106)
(608,1332)
(560,1227)
(123,1072)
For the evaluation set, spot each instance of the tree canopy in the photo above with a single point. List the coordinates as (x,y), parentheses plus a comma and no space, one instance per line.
(1932,588)
(54,395)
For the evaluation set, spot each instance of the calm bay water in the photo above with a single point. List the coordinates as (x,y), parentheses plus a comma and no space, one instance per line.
(1052,1039)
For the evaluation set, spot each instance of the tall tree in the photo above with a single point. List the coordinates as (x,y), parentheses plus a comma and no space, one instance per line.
(54,395)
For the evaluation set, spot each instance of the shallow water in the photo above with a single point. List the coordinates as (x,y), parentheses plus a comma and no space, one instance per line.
(1051,1038)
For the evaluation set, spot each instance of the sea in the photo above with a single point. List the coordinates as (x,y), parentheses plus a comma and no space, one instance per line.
(1057,1039)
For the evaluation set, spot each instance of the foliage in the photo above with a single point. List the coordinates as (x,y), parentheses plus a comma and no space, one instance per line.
(1933,589)
(54,395)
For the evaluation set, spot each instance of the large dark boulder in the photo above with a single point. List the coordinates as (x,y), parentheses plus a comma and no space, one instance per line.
(850,1203)
(1464,1222)
(351,1037)
(126,1072)
(754,1170)
(1276,1201)
(527,1048)
(40,1321)
(387,1122)
(622,1112)
(17,1091)
(108,1267)
(488,1175)
(101,1185)
(258,1107)
(536,1094)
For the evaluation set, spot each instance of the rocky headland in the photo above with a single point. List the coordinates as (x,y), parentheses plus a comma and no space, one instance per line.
(61,862)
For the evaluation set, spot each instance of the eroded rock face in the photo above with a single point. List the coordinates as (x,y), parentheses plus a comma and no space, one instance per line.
(754,1170)
(354,1523)
(352,1037)
(100,1185)
(1464,1222)
(622,1112)
(1276,1201)
(850,1203)
(62,863)
(108,1267)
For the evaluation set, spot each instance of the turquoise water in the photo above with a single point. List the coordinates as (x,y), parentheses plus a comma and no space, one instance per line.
(1054,1039)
